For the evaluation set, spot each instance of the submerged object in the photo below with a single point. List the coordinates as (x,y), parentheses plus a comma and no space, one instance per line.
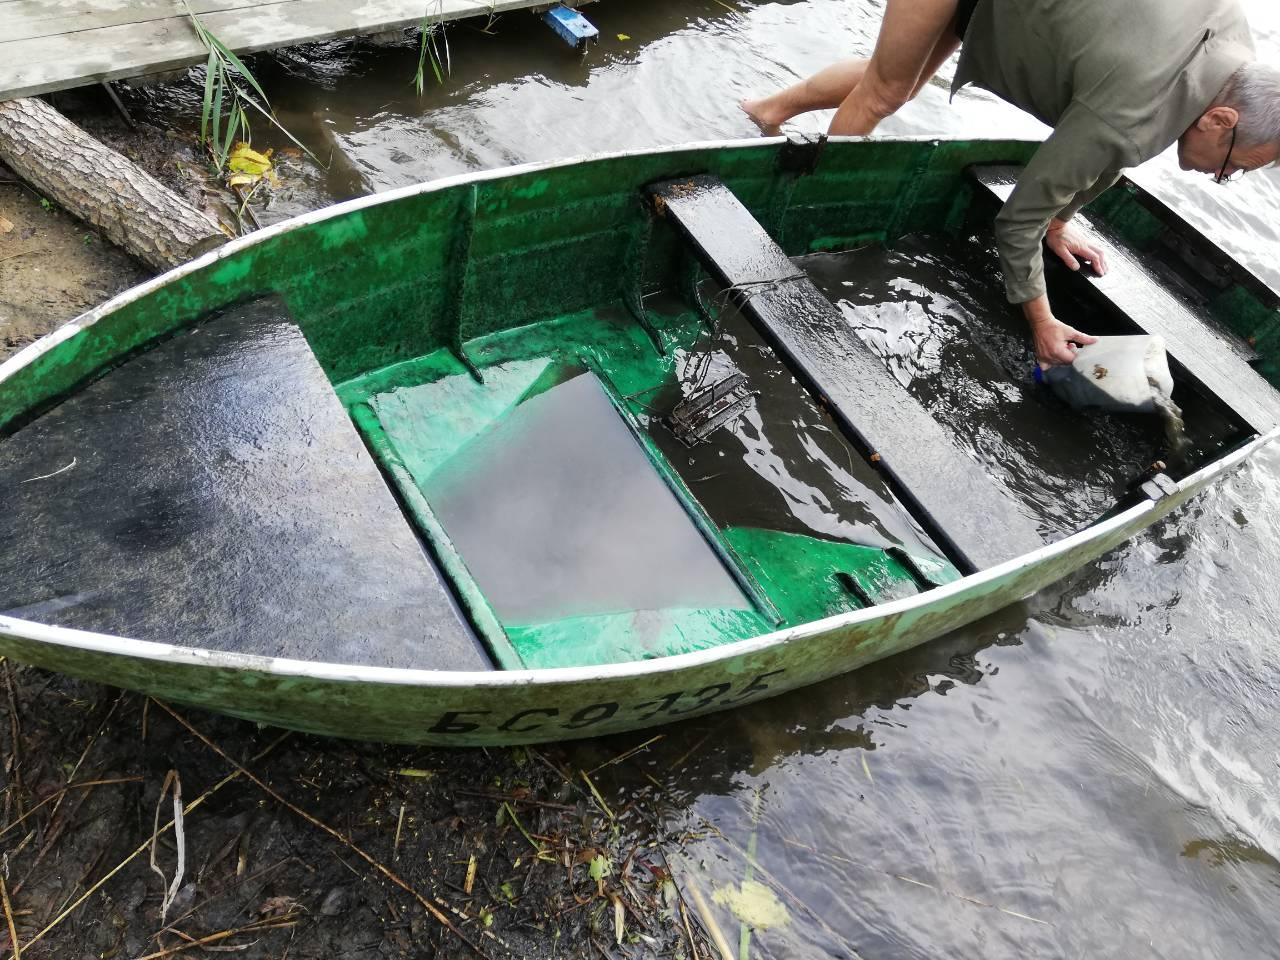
(1128,374)
(475,462)
(1122,374)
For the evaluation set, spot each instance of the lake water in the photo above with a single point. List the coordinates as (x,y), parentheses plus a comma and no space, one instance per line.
(1095,773)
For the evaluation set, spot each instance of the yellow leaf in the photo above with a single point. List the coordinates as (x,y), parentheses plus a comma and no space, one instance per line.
(754,904)
(414,772)
(623,36)
(244,159)
(242,179)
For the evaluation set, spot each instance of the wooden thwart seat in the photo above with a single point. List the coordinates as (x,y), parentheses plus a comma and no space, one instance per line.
(213,491)
(1214,358)
(966,514)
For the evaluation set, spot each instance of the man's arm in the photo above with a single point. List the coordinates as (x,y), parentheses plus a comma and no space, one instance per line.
(1082,200)
(1053,339)
(1078,162)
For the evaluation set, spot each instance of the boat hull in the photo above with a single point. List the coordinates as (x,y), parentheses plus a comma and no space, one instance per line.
(327,266)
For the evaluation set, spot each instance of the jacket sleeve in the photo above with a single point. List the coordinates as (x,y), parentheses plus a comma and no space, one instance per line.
(1082,200)
(1082,157)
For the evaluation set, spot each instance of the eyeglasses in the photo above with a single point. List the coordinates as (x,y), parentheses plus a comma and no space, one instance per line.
(1226,161)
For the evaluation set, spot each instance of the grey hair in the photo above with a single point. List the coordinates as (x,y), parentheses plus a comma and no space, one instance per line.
(1254,92)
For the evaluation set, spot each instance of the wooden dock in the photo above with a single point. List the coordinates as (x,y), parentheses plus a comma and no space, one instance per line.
(48,45)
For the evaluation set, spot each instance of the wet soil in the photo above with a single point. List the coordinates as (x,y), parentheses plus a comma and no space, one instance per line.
(331,849)
(52,267)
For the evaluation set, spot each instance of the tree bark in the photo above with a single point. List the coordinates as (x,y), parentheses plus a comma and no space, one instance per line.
(95,183)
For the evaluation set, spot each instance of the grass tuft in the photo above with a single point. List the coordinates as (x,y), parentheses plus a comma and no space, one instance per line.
(230,92)
(433,49)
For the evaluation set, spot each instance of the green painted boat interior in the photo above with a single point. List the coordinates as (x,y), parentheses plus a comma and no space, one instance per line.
(547,477)
(604,459)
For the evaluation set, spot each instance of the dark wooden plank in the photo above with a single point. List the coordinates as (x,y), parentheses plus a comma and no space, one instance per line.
(1209,355)
(213,492)
(966,514)
(112,41)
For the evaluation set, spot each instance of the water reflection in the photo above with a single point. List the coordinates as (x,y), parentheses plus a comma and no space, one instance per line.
(939,320)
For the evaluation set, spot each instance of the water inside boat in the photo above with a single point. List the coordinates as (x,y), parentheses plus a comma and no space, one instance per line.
(558,484)
(559,514)
(937,317)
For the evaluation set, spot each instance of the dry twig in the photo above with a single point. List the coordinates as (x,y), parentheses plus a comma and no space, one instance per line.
(287,920)
(180,837)
(386,871)
(8,917)
(395,849)
(146,844)
(708,919)
(15,730)
(628,754)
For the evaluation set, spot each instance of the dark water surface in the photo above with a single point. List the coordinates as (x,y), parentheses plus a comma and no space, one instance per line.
(934,312)
(784,464)
(1093,774)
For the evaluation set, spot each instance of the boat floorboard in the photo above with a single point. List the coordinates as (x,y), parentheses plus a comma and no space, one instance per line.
(1212,357)
(213,491)
(961,508)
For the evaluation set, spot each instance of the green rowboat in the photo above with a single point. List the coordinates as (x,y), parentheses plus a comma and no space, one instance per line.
(578,448)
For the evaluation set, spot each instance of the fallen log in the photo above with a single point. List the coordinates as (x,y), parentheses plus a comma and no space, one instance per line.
(100,186)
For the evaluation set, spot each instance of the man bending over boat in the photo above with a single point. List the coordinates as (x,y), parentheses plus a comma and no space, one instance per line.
(1118,80)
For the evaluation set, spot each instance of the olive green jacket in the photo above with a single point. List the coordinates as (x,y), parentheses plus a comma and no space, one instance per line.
(1118,80)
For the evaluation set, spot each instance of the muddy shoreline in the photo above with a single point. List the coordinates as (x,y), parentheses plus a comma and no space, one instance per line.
(54,267)
(303,847)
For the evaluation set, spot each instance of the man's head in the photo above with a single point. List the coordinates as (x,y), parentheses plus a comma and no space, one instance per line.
(1241,130)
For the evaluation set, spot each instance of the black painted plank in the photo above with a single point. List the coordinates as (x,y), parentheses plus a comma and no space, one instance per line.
(966,514)
(1208,354)
(220,497)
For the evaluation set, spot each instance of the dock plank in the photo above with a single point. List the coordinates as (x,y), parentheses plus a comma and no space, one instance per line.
(966,513)
(1208,354)
(33,19)
(104,40)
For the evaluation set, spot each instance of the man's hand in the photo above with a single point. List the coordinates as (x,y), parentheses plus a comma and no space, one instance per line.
(1055,342)
(1072,246)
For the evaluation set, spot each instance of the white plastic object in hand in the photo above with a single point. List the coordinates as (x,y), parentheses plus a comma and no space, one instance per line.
(1118,374)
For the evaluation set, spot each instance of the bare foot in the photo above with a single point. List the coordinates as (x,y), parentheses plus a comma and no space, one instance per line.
(768,121)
